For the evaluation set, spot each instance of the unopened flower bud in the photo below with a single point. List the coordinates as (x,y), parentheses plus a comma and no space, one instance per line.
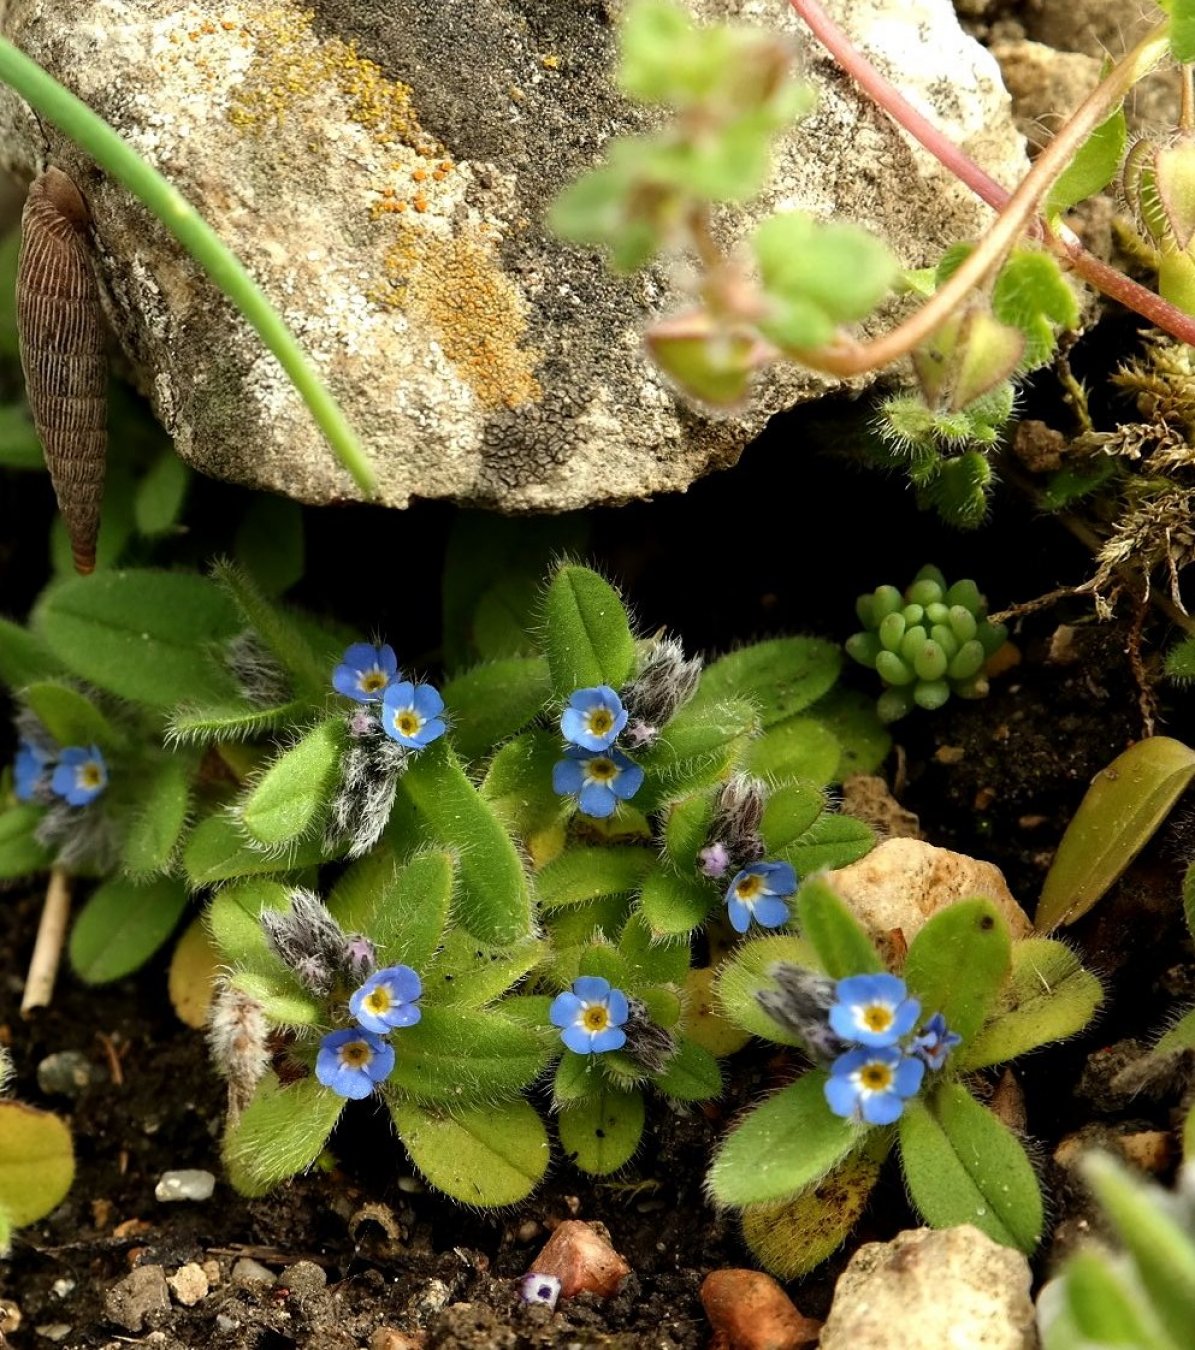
(647,1042)
(664,682)
(802,1006)
(307,939)
(737,820)
(237,1035)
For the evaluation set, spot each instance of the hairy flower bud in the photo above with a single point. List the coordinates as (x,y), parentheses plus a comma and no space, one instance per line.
(307,939)
(802,1005)
(237,1036)
(260,678)
(369,771)
(647,1042)
(736,823)
(664,682)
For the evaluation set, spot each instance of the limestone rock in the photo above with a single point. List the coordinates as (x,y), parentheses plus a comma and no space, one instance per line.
(903,882)
(383,168)
(926,1289)
(1046,85)
(140,1294)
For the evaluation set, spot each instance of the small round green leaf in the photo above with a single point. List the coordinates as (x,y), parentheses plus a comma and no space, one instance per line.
(121,926)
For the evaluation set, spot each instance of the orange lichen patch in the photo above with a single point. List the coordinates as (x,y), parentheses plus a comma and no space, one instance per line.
(419,175)
(550,62)
(455,286)
(291,63)
(420,202)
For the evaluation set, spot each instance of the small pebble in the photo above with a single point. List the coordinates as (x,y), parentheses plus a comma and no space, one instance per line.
(536,1288)
(188,1184)
(61,1288)
(55,1331)
(142,1291)
(225,1324)
(211,1268)
(189,1284)
(582,1259)
(528,1231)
(434,1296)
(390,1338)
(304,1279)
(68,1072)
(749,1311)
(247,1271)
(10,1316)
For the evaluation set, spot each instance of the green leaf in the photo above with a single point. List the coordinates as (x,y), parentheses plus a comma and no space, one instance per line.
(1094,166)
(797,828)
(463,1055)
(863,738)
(587,636)
(600,1134)
(283,1002)
(282,1131)
(121,926)
(19,445)
(962,1165)
(781,1148)
(69,716)
(310,666)
(493,901)
(709,361)
(840,941)
(686,828)
(1074,482)
(1182,30)
(37,1163)
(142,635)
(270,544)
(691,1075)
(801,747)
(23,656)
(1125,804)
(782,677)
(648,960)
(697,748)
(1105,1306)
(489,1156)
(233,721)
(957,963)
(672,905)
(518,784)
(290,798)
(491,703)
(1048,998)
(1162,1250)
(576,1076)
(467,973)
(158,501)
(157,824)
(1032,294)
(217,851)
(233,920)
(404,909)
(20,853)
(793,1237)
(746,973)
(585,873)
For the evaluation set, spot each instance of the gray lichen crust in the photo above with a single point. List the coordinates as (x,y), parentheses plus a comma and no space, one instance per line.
(383,168)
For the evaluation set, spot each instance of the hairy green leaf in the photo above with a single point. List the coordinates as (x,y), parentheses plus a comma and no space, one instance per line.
(156,825)
(461,1055)
(403,909)
(691,1075)
(20,853)
(70,716)
(282,1131)
(957,963)
(587,635)
(600,1133)
(37,1163)
(584,873)
(490,703)
(842,945)
(1094,166)
(290,798)
(746,973)
(217,851)
(121,926)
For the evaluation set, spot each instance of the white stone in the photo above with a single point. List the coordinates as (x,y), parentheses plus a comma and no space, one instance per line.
(188,1184)
(189,1284)
(952,1289)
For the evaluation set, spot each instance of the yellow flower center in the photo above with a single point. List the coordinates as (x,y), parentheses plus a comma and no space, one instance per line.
(408,721)
(356,1054)
(378,1000)
(601,769)
(750,888)
(877,1017)
(875,1077)
(600,721)
(596,1017)
(89,775)
(371,681)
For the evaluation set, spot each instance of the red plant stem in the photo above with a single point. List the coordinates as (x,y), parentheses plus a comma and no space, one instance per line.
(881,91)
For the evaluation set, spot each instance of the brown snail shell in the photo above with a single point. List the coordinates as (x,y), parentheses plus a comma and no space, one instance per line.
(61,327)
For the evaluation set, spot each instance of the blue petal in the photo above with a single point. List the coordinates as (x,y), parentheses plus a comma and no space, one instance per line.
(629,781)
(618,1007)
(882,1108)
(387,661)
(613,1038)
(577,1039)
(73,756)
(591,988)
(779,877)
(842,1021)
(355,1084)
(381,1065)
(431,730)
(344,681)
(936,1026)
(597,800)
(400,696)
(405,1015)
(907,1080)
(905,1017)
(841,1096)
(860,989)
(572,725)
(568,777)
(845,1065)
(428,701)
(739,915)
(361,656)
(564,1010)
(771,912)
(405,984)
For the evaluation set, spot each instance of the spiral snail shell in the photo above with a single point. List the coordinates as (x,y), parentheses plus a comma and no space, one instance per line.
(61,328)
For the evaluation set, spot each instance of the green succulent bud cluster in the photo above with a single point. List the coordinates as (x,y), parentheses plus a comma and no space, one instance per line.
(925,644)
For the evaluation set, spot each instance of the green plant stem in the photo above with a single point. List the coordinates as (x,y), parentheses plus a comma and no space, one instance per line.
(848,357)
(92,134)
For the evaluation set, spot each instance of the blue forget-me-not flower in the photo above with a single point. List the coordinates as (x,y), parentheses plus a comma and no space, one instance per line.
(872,1083)
(593,719)
(590,1016)
(873,1009)
(599,781)
(758,892)
(30,770)
(353,1062)
(80,776)
(365,671)
(410,714)
(387,1000)
(935,1041)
